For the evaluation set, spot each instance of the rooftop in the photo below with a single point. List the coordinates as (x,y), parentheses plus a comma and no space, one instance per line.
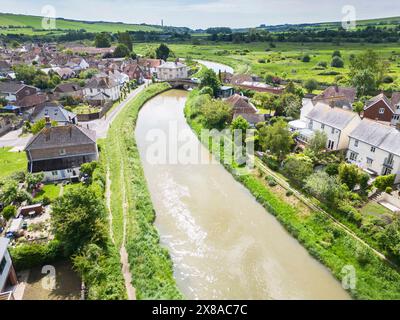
(334,117)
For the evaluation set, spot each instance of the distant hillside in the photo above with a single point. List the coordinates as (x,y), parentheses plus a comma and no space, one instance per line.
(32,25)
(361,24)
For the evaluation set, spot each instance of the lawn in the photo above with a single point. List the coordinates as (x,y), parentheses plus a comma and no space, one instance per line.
(283,61)
(71,186)
(375,209)
(11,162)
(49,190)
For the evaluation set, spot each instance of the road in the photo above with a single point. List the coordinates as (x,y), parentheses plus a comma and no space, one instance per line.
(101,126)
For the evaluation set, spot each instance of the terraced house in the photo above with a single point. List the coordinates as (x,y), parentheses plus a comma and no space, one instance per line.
(375,147)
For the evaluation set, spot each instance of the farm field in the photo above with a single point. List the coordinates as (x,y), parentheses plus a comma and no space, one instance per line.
(284,60)
(32,25)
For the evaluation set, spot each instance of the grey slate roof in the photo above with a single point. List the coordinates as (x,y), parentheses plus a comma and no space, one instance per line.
(11,87)
(378,135)
(335,117)
(55,112)
(62,136)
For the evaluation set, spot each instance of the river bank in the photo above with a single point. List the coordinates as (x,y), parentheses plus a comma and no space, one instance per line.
(150,264)
(323,240)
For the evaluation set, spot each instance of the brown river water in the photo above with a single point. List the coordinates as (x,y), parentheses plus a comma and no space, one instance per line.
(224,245)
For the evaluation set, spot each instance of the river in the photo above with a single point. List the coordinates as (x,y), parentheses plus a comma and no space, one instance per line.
(224,245)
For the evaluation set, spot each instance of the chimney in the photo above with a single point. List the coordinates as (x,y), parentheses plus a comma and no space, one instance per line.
(48,122)
(336,88)
(332,103)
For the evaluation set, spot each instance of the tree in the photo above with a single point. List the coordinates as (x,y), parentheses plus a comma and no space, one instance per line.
(207,90)
(121,51)
(9,212)
(383,182)
(365,82)
(298,167)
(240,123)
(367,66)
(209,79)
(311,85)
(264,100)
(33,180)
(102,40)
(276,138)
(390,238)
(77,219)
(358,107)
(126,39)
(306,58)
(337,62)
(163,52)
(25,73)
(42,81)
(40,124)
(318,142)
(324,187)
(217,114)
(349,175)
(336,53)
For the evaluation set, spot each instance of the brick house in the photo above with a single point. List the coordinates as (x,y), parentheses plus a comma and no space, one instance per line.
(383,109)
(59,152)
(69,89)
(14,92)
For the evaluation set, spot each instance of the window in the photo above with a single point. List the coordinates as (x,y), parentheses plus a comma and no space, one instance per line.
(369,161)
(381,110)
(322,126)
(310,125)
(3,265)
(373,149)
(331,144)
(353,156)
(356,143)
(333,130)
(63,152)
(55,173)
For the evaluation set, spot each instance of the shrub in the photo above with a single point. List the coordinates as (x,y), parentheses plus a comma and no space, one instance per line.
(271,181)
(27,256)
(289,193)
(337,62)
(383,182)
(261,60)
(306,58)
(389,190)
(387,79)
(9,212)
(322,64)
(332,169)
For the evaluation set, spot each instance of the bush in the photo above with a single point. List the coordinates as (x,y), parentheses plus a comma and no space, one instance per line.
(289,193)
(389,190)
(383,182)
(306,58)
(332,169)
(271,181)
(387,79)
(27,256)
(337,62)
(9,212)
(261,60)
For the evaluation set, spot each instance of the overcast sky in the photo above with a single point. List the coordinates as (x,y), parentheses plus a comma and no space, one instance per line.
(206,13)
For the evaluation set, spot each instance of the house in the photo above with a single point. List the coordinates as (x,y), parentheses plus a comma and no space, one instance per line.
(70,89)
(341,97)
(172,70)
(65,73)
(102,89)
(54,112)
(337,123)
(149,66)
(59,152)
(375,147)
(8,277)
(14,91)
(225,92)
(243,107)
(135,72)
(381,108)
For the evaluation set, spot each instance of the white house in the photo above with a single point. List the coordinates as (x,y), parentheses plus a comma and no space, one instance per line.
(337,123)
(172,70)
(108,88)
(8,277)
(375,147)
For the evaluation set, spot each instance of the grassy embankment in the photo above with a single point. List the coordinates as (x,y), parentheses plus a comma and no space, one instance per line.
(150,264)
(11,162)
(283,61)
(321,237)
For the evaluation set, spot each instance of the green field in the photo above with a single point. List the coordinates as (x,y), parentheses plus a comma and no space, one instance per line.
(32,25)
(50,191)
(11,162)
(284,59)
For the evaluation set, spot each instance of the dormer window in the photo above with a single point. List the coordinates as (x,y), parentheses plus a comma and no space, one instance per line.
(381,110)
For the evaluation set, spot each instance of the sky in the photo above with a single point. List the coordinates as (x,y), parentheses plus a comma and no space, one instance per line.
(207,13)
